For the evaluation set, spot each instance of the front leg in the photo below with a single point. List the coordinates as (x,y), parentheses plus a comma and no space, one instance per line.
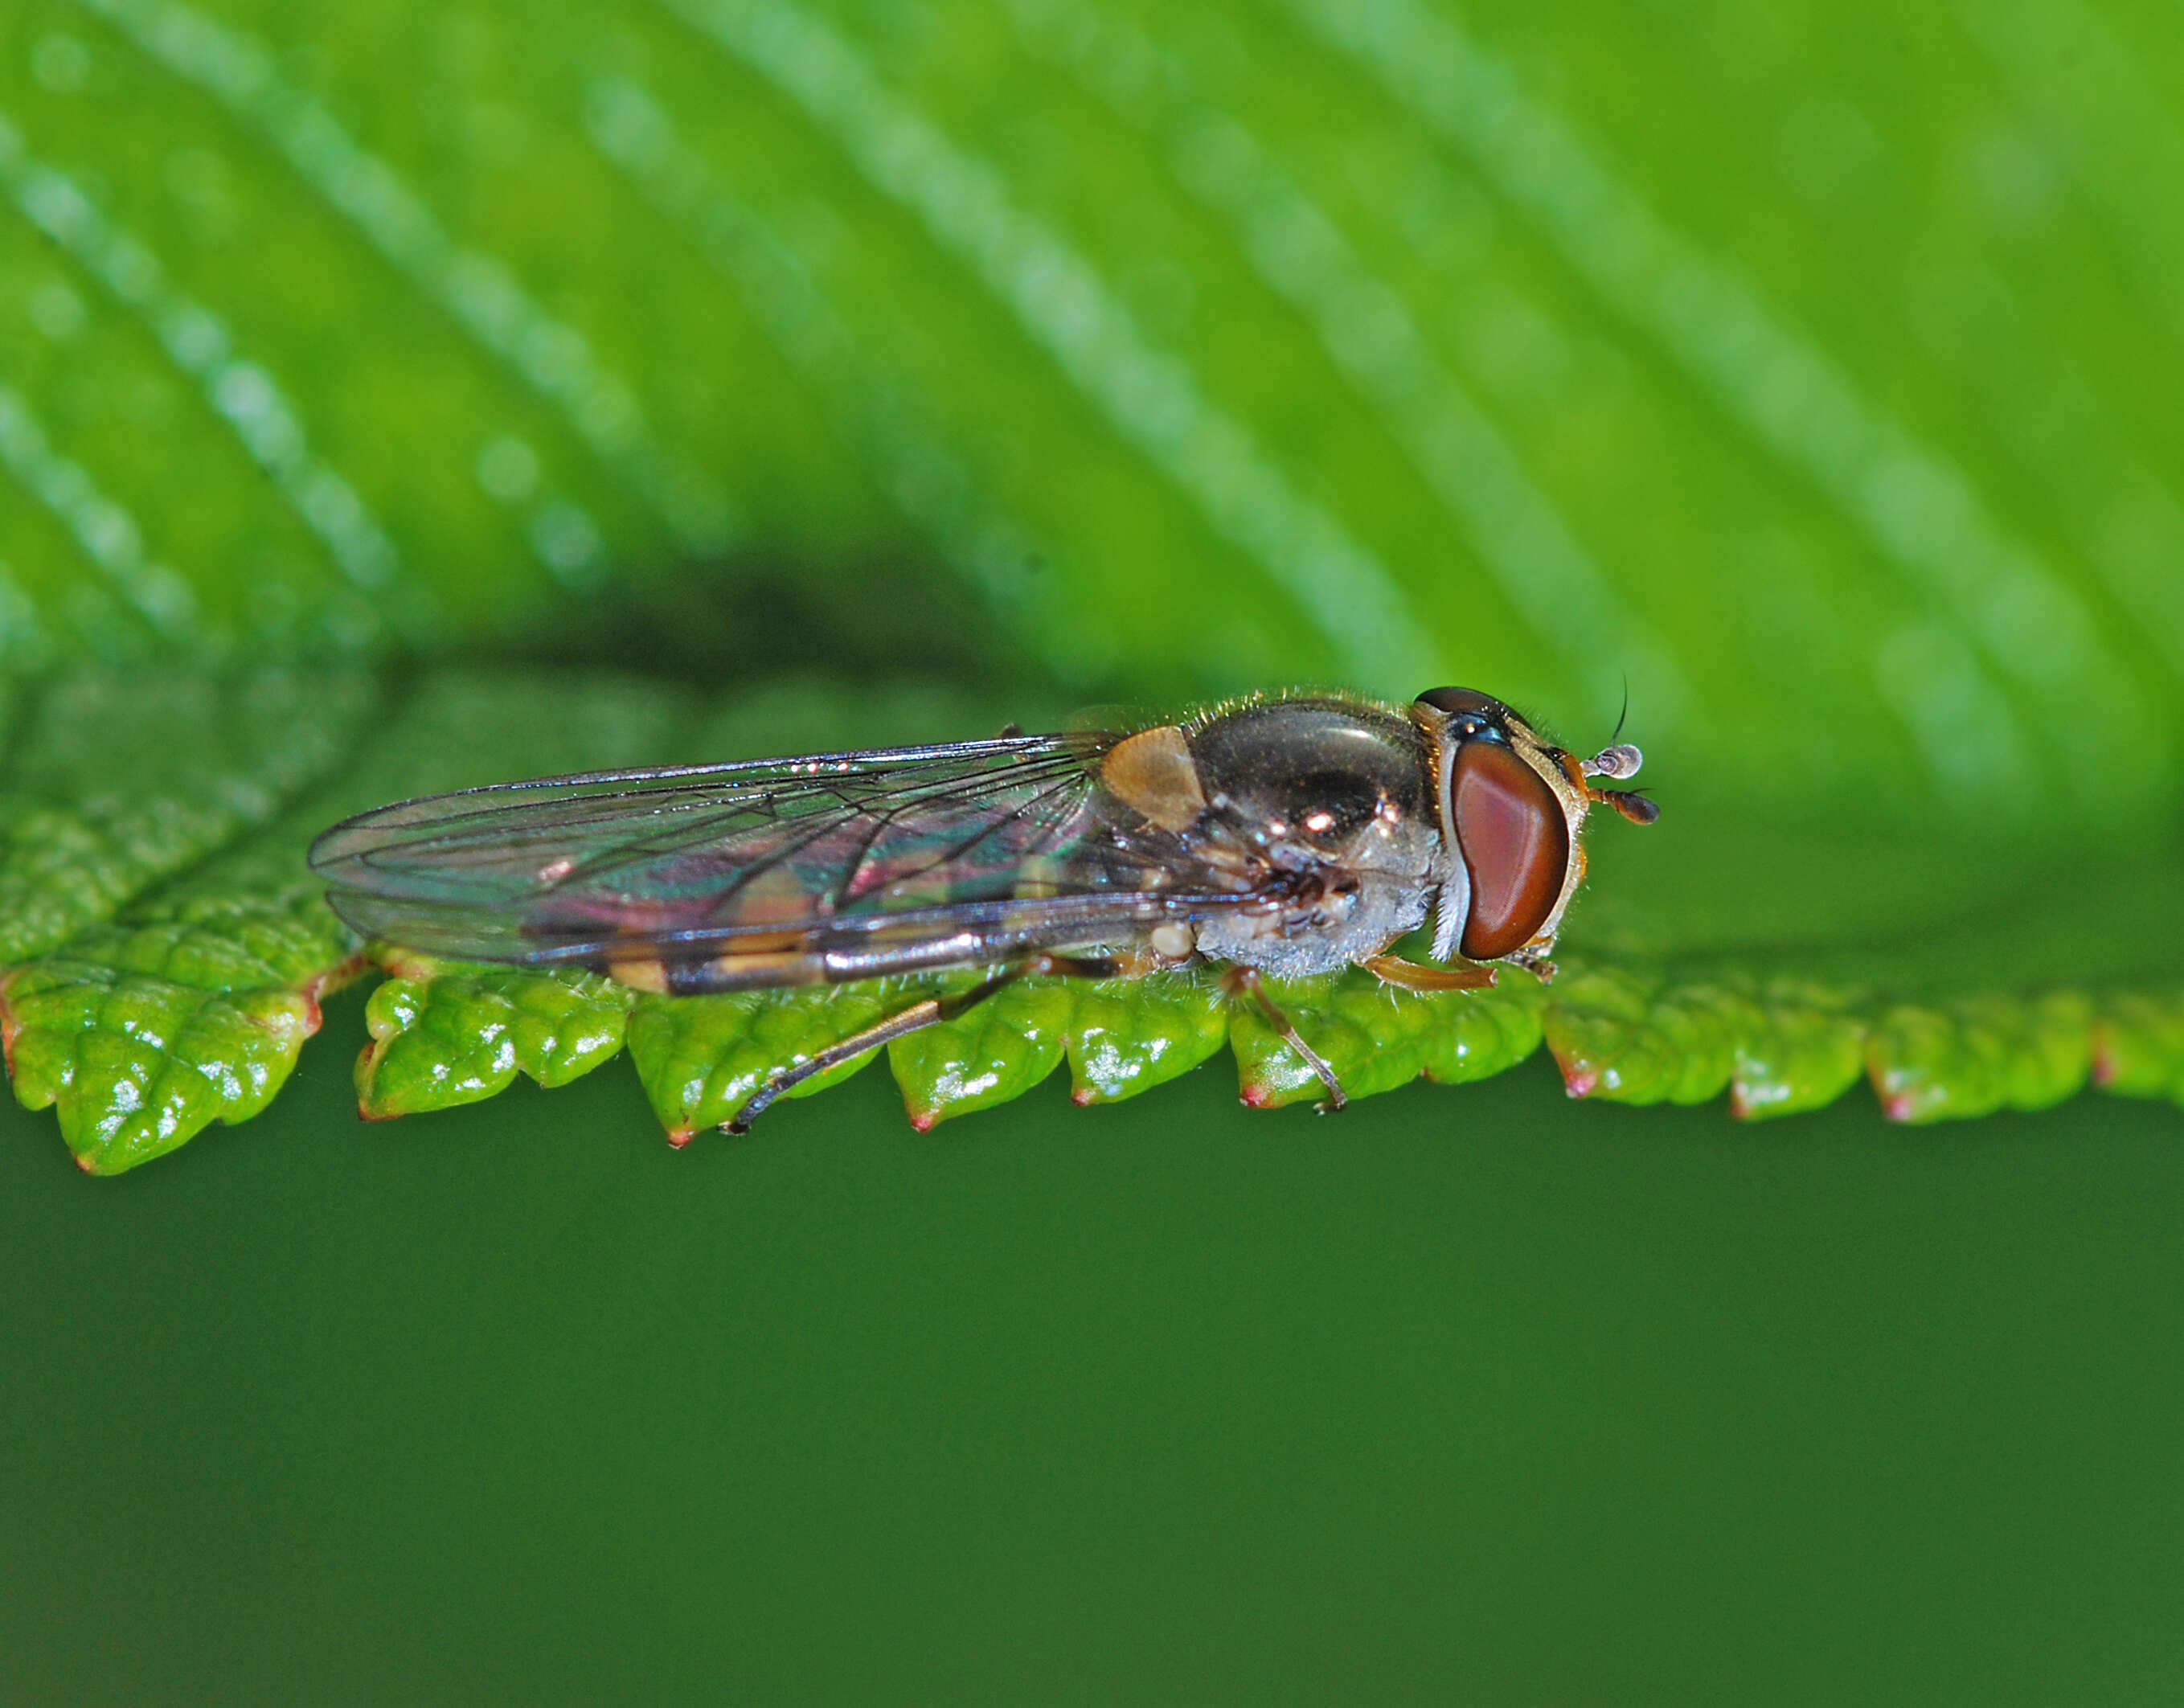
(1408,975)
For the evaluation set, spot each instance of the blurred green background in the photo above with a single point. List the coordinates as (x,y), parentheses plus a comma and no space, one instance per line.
(1808,373)
(1472,1395)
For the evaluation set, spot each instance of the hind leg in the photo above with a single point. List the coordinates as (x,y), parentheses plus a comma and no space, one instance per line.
(915,1018)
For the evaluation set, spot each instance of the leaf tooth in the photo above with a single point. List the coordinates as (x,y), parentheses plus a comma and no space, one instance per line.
(1802,1055)
(1926,1064)
(441,1038)
(1124,1038)
(1979,1054)
(701,1058)
(1595,1027)
(992,1054)
(2138,1045)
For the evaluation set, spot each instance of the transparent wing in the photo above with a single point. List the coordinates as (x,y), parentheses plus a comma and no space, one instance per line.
(875,860)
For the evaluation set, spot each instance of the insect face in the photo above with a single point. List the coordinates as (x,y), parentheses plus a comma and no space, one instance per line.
(1512,807)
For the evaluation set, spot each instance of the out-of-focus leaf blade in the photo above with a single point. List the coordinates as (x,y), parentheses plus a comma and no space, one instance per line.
(115,779)
(1843,440)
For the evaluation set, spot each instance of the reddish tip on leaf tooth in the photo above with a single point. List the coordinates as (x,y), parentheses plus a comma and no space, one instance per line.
(1900,1107)
(2105,1067)
(1082,1096)
(677,1136)
(342,973)
(924,1120)
(1255,1095)
(1579,1078)
(364,1113)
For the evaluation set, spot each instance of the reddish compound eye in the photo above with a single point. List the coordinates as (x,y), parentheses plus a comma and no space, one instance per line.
(1515,843)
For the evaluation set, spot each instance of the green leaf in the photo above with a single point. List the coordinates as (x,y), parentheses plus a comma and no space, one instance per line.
(896,375)
(1483,374)
(997,1051)
(702,1057)
(1376,1038)
(1632,1034)
(139,1065)
(189,1006)
(191,1010)
(441,1037)
(2138,1045)
(1981,1054)
(1124,1038)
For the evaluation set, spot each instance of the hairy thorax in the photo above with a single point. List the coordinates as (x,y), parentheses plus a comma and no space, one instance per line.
(1322,808)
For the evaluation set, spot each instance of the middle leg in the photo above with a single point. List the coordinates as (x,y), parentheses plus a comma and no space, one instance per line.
(1245,981)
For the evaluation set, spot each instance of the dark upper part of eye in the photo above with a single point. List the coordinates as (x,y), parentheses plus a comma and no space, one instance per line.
(1462,702)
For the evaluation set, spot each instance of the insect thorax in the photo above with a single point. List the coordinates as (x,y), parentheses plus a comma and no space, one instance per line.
(1332,800)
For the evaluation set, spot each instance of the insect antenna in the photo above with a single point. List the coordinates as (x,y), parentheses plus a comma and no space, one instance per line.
(1634,804)
(1619,762)
(1618,759)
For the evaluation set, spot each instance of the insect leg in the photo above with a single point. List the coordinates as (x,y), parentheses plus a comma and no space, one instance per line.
(1533,961)
(1408,975)
(1246,980)
(915,1018)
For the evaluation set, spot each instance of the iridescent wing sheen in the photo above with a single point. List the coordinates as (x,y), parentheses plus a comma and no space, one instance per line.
(878,862)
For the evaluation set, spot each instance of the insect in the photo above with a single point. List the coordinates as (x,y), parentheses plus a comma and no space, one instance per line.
(1284,835)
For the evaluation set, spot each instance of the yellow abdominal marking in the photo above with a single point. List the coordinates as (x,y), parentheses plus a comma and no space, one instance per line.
(1040,877)
(775,966)
(1153,773)
(640,975)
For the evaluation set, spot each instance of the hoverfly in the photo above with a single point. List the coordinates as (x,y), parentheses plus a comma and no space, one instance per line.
(1288,836)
